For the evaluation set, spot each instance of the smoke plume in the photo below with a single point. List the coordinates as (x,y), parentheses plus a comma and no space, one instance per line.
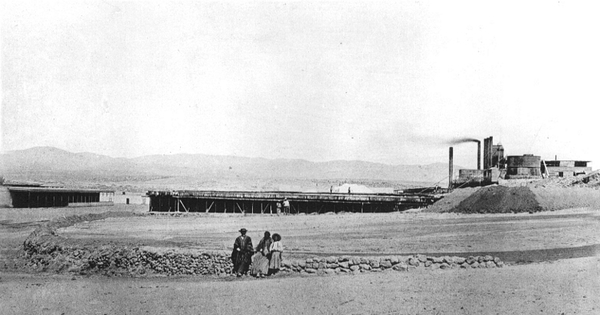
(462,140)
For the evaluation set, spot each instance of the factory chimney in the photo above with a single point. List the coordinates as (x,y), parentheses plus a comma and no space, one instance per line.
(451,169)
(478,155)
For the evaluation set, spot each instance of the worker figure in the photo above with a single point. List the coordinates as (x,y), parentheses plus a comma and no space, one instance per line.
(286,206)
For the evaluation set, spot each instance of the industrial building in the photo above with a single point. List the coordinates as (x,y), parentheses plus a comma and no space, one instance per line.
(566,168)
(497,166)
(38,197)
(266,202)
(525,166)
(493,163)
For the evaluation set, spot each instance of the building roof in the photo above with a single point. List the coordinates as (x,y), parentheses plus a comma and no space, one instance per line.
(58,190)
(568,161)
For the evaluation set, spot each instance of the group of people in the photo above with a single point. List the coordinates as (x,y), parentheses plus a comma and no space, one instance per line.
(286,206)
(263,261)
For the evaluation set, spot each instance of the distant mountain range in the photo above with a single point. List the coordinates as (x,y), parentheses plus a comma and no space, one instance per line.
(52,164)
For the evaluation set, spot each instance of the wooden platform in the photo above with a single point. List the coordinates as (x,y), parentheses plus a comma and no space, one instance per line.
(265,202)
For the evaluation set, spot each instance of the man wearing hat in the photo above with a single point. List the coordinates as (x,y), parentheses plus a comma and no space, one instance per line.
(242,253)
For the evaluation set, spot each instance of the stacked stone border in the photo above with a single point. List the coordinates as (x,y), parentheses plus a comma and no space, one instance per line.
(349,264)
(47,251)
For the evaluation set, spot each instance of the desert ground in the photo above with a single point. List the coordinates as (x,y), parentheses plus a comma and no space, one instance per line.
(553,264)
(560,287)
(357,234)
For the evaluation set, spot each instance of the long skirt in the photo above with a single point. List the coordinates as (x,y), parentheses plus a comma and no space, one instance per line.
(275,262)
(260,264)
(241,262)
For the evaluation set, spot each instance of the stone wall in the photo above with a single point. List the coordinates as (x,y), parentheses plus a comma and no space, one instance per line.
(346,264)
(45,250)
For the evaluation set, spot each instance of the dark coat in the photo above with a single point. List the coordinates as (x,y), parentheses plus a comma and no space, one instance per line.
(264,246)
(242,258)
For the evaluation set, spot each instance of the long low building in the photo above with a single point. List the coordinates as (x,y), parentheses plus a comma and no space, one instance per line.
(567,168)
(38,197)
(266,202)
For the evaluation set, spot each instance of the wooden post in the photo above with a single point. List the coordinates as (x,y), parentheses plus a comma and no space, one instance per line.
(451,167)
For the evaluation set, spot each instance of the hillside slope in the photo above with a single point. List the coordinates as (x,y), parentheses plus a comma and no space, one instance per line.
(48,163)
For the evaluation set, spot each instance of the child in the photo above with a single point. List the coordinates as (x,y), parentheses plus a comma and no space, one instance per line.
(276,250)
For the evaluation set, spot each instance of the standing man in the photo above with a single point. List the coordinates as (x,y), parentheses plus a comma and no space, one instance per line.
(242,252)
(286,206)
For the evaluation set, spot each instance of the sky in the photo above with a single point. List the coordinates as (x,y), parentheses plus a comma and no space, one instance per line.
(388,82)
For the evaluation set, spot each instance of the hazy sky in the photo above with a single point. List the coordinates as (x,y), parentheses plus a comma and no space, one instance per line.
(382,82)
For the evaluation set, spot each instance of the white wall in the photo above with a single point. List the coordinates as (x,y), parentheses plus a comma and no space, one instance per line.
(134,198)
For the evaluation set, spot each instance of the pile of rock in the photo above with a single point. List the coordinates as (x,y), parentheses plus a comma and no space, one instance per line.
(112,260)
(45,250)
(345,264)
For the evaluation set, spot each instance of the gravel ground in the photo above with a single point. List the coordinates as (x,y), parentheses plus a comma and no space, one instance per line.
(366,234)
(569,286)
(562,287)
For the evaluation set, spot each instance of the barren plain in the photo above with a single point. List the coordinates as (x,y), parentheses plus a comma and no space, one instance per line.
(359,234)
(553,264)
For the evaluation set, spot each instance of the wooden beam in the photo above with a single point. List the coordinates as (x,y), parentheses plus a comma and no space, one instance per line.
(184,208)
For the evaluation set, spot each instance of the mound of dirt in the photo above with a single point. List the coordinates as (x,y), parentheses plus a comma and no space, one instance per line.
(590,180)
(554,198)
(547,195)
(451,200)
(499,199)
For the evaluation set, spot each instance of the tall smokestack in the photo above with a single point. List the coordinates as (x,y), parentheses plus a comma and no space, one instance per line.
(490,152)
(451,168)
(487,152)
(478,155)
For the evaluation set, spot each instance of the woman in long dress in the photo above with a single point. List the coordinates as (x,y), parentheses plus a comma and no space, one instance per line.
(276,250)
(260,260)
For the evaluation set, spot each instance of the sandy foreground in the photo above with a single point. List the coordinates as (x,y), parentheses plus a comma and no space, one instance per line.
(551,285)
(563,287)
